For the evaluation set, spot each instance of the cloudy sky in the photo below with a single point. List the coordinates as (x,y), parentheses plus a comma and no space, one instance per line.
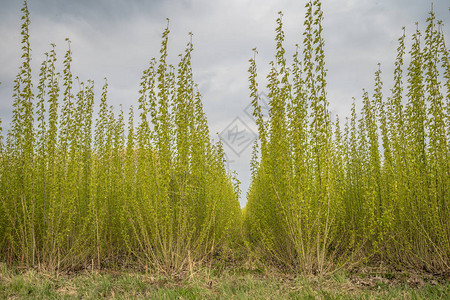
(117,38)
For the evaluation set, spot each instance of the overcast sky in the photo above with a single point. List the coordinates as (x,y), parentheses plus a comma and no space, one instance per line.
(117,38)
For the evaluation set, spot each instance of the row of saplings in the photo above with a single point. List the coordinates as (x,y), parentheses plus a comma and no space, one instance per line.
(80,189)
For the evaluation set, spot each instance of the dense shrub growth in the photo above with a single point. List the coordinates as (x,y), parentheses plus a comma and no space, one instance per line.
(75,191)
(378,189)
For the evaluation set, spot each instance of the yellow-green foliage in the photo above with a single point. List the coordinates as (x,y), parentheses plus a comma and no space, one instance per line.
(153,190)
(379,190)
(75,192)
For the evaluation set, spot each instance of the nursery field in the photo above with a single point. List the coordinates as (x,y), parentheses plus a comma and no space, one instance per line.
(96,202)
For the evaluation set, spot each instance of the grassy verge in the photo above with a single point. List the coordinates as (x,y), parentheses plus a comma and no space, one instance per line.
(365,284)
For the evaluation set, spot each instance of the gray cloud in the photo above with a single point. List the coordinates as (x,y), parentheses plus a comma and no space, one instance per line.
(116,39)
